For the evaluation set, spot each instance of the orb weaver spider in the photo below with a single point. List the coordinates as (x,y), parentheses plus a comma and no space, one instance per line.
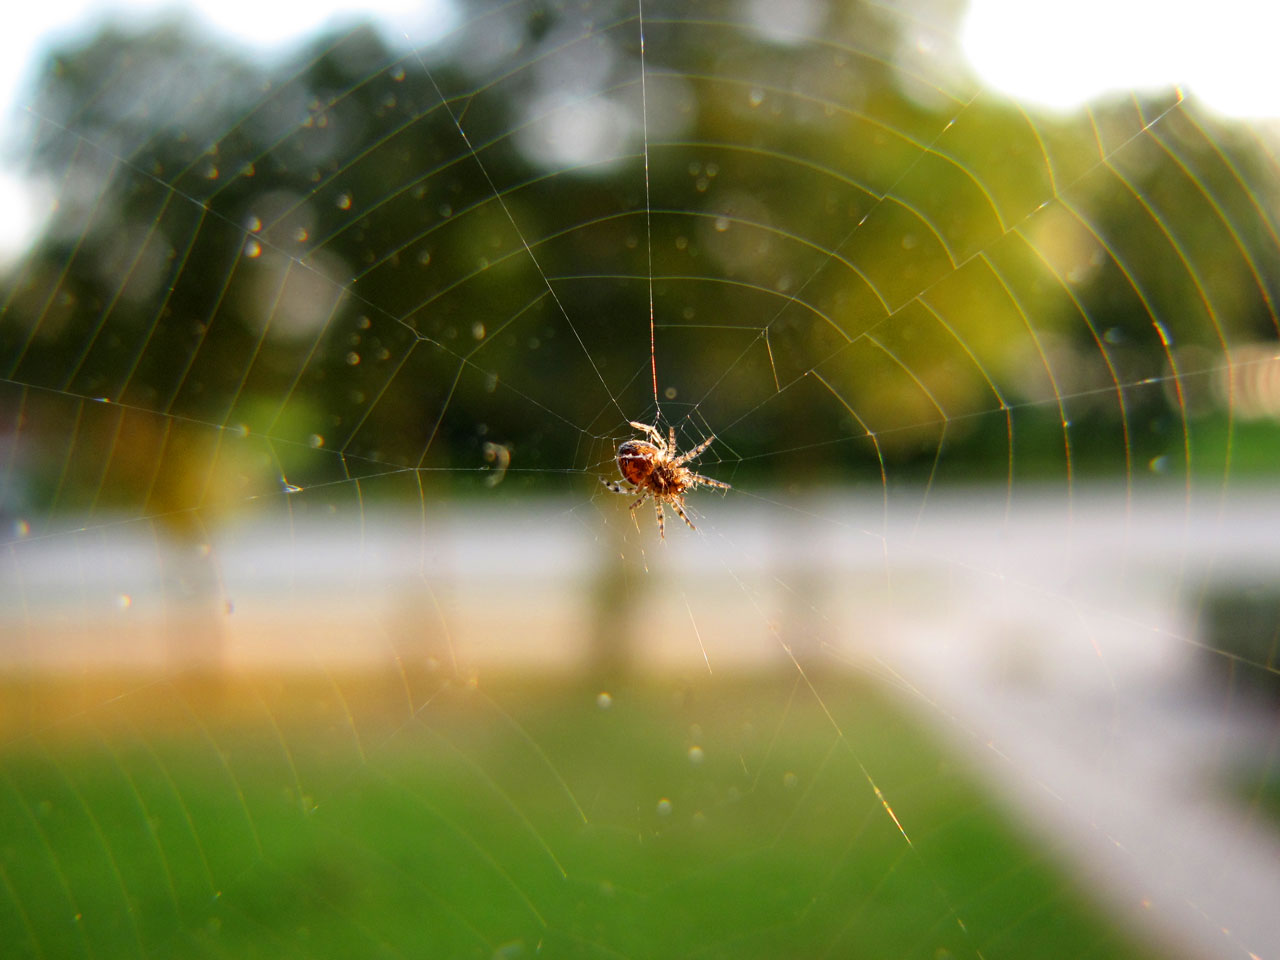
(657,470)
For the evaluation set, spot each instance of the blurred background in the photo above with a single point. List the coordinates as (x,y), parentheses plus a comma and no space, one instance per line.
(320,326)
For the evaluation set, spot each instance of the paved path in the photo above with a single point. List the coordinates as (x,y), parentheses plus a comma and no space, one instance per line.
(1065,659)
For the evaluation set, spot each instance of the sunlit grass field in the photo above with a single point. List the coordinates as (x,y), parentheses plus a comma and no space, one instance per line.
(412,816)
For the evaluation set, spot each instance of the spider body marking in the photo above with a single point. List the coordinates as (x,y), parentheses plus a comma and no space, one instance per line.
(656,470)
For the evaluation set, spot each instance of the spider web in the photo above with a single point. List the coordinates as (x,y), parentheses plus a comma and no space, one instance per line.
(321,634)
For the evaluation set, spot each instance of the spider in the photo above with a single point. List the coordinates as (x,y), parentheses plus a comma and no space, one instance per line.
(658,471)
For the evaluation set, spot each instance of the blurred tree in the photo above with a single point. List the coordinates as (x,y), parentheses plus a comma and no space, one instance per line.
(262,265)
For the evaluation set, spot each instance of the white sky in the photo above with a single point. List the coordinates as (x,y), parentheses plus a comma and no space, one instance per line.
(1051,54)
(1062,54)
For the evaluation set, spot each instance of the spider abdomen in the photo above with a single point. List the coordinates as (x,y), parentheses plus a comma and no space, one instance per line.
(636,461)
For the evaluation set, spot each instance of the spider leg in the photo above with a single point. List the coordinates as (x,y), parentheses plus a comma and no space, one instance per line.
(662,525)
(634,507)
(679,508)
(699,480)
(615,486)
(671,438)
(657,437)
(692,454)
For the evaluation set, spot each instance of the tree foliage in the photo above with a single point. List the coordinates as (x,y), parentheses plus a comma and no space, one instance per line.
(875,266)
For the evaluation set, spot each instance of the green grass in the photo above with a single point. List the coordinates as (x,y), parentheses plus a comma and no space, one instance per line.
(325,818)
